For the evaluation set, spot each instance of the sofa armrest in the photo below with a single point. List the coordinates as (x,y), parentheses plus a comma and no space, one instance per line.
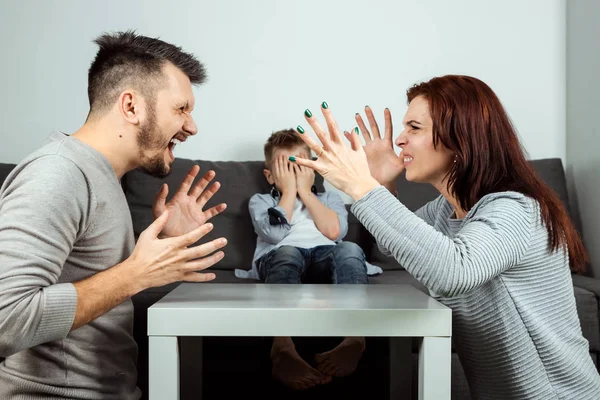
(587,283)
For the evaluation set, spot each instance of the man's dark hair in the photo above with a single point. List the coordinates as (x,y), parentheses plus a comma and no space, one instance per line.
(126,59)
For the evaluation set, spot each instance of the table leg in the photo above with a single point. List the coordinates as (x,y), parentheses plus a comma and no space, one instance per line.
(163,368)
(191,363)
(400,367)
(434,368)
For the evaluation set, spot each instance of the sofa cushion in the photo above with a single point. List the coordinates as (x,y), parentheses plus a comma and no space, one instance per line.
(587,310)
(358,234)
(4,171)
(553,174)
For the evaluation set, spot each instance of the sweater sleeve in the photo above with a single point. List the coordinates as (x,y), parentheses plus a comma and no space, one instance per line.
(426,213)
(492,239)
(42,211)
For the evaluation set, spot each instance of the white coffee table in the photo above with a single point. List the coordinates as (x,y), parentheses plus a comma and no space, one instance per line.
(211,309)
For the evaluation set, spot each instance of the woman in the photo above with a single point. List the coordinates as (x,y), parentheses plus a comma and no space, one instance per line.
(495,246)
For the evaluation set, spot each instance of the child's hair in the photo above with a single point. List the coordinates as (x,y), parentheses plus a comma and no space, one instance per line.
(283,139)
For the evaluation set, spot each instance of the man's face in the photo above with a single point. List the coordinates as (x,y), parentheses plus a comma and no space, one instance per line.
(168,122)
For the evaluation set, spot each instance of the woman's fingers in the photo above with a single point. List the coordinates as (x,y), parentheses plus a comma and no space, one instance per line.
(363,128)
(323,136)
(389,128)
(304,162)
(315,146)
(332,126)
(354,139)
(372,123)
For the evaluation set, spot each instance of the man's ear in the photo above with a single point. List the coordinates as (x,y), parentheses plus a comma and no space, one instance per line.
(129,106)
(269,176)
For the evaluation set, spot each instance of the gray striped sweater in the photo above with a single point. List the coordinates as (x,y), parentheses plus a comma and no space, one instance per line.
(515,324)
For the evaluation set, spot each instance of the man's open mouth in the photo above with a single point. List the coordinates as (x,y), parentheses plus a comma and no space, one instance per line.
(174,142)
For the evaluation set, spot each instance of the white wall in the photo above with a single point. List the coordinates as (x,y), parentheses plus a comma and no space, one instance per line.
(583,107)
(269,60)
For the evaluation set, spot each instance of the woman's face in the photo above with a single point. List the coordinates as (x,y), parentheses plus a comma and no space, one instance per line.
(423,162)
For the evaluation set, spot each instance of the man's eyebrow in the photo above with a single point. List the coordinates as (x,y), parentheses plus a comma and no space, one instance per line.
(185,104)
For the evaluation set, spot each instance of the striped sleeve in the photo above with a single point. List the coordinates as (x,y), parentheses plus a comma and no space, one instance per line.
(493,239)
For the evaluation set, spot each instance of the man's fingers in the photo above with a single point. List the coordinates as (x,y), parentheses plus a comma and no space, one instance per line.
(204,263)
(198,277)
(186,184)
(202,184)
(158,225)
(202,250)
(208,194)
(160,199)
(211,212)
(193,236)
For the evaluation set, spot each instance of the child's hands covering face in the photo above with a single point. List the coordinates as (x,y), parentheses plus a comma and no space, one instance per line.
(305,178)
(283,174)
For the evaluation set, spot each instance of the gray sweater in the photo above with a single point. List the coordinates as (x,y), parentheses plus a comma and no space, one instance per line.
(63,217)
(515,324)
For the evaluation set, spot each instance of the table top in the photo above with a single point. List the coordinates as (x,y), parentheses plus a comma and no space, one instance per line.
(230,309)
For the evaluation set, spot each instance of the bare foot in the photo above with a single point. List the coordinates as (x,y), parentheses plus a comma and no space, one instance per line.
(294,372)
(342,360)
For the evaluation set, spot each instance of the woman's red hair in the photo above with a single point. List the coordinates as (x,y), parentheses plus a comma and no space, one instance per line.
(469,120)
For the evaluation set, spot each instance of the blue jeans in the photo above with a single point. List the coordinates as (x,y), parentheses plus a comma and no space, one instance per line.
(340,263)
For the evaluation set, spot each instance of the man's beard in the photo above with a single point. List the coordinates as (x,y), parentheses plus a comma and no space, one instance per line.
(150,140)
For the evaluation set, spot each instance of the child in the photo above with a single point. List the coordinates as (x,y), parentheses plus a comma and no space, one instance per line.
(299,241)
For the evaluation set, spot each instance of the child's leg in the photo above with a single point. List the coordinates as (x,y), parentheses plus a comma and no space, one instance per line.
(346,264)
(285,265)
(282,265)
(290,369)
(343,360)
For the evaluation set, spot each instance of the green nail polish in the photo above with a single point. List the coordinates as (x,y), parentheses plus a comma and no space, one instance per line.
(292,158)
(324,105)
(300,129)
(356,130)
(307,113)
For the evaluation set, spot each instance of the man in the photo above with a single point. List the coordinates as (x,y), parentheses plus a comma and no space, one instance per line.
(68,261)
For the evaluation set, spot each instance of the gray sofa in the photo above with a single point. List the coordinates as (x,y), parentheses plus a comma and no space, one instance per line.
(237,366)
